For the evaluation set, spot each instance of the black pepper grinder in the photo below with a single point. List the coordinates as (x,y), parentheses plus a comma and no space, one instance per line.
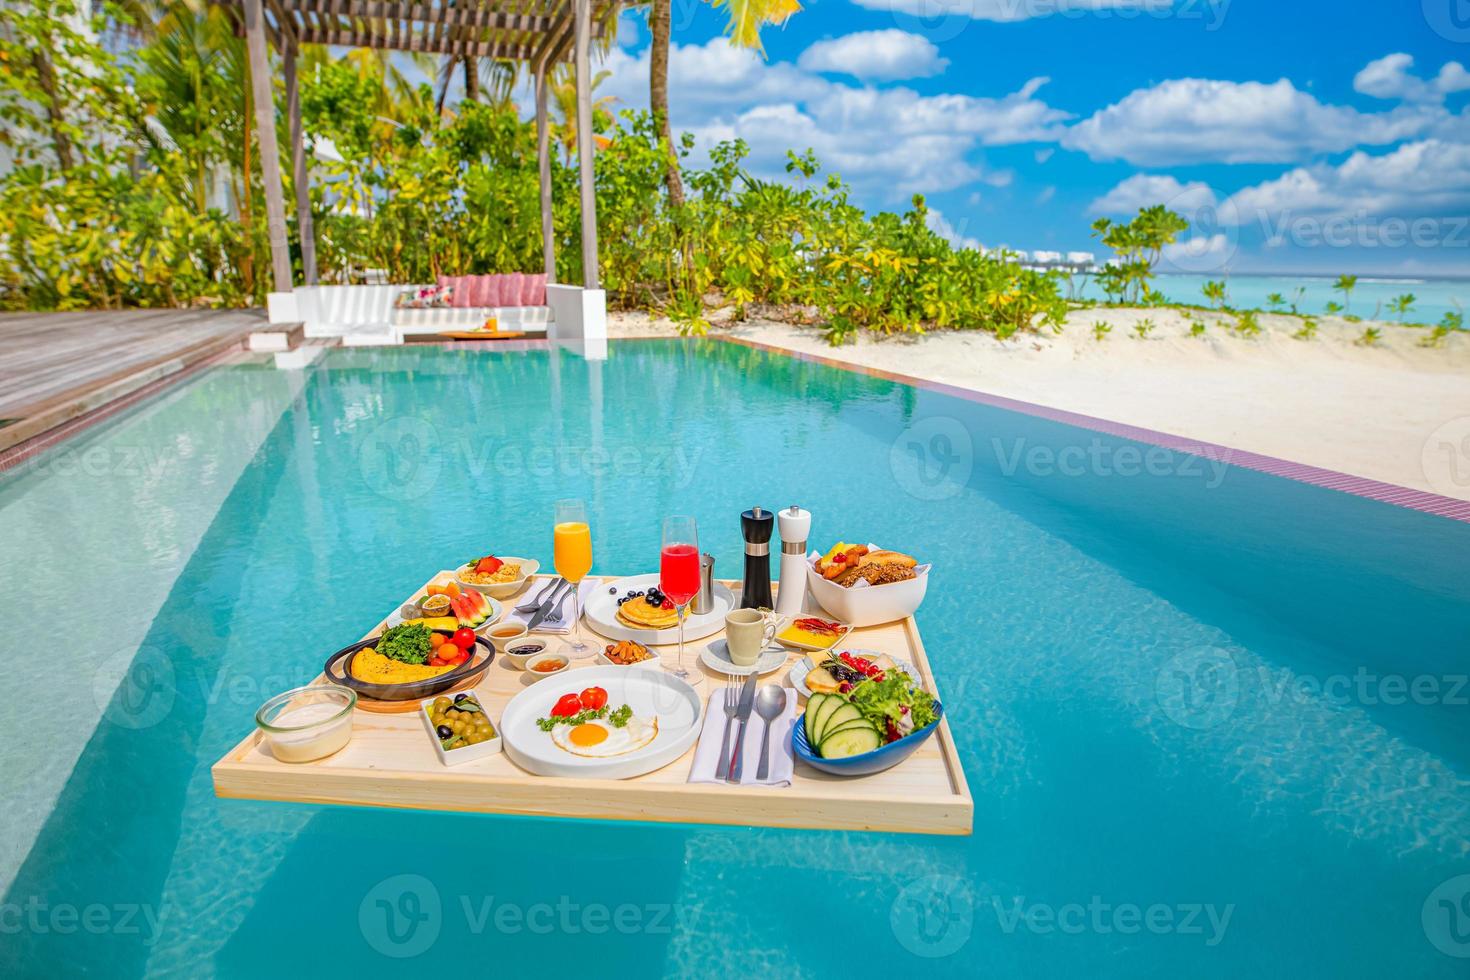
(757,524)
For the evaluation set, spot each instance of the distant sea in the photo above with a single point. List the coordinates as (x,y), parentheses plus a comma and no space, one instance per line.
(1433,297)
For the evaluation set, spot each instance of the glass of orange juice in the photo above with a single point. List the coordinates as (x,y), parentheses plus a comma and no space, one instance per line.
(571,553)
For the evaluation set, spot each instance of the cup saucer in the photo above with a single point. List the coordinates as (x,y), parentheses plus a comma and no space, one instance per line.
(716,656)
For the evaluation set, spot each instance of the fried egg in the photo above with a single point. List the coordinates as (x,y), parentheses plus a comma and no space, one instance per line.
(600,739)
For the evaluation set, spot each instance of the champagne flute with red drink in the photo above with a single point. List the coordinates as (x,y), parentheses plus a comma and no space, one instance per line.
(678,576)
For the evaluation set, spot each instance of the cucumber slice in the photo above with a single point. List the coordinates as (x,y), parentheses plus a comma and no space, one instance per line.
(814,706)
(841,715)
(831,730)
(814,730)
(852,741)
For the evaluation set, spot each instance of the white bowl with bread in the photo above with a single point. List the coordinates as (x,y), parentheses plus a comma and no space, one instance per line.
(864,585)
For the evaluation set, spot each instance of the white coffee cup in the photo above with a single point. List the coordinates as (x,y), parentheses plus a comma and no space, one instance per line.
(746,634)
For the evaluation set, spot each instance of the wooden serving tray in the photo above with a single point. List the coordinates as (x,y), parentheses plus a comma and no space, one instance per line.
(391,762)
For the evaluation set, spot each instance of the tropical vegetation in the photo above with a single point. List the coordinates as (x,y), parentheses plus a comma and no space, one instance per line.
(134,181)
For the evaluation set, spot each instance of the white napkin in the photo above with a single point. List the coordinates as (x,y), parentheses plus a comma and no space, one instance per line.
(586,588)
(707,752)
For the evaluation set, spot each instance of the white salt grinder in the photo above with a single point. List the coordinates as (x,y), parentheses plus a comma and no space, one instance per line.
(795,525)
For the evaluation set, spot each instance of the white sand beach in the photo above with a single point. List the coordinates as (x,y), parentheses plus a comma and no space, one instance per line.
(1395,411)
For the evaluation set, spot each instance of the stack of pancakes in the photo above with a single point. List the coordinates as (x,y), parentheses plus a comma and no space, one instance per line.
(639,614)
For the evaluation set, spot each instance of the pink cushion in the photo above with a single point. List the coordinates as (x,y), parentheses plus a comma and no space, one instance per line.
(494,291)
(514,283)
(442,281)
(477,289)
(534,293)
(461,286)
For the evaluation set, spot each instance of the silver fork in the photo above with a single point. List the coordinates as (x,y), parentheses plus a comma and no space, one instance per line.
(535,604)
(732,705)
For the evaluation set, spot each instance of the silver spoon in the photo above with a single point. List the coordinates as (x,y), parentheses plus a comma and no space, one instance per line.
(770,701)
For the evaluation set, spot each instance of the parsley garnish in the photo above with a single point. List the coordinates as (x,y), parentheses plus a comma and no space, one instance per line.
(617,719)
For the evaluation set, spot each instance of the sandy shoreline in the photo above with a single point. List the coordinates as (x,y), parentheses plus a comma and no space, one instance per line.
(1394,412)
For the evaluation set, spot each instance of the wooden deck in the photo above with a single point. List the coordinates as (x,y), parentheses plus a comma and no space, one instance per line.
(55,367)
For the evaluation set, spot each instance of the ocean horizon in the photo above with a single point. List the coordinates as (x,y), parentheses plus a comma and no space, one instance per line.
(1433,296)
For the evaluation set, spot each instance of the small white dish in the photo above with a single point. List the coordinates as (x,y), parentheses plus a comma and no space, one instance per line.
(787,621)
(541,675)
(653,661)
(514,632)
(533,647)
(501,590)
(465,753)
(716,656)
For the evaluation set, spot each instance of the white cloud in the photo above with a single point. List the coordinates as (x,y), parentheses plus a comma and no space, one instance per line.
(876,55)
(955,236)
(1196,120)
(1389,78)
(1146,190)
(1421,178)
(890,142)
(1013,10)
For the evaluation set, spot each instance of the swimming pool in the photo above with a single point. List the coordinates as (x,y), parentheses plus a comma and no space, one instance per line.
(1213,721)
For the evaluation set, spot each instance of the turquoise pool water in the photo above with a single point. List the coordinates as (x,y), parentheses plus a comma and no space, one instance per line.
(1214,722)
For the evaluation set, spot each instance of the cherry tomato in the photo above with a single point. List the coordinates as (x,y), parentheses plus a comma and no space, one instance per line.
(593,698)
(436,638)
(459,657)
(488,565)
(435,662)
(464,638)
(569,705)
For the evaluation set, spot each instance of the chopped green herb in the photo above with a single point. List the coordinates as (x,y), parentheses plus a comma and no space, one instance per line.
(406,643)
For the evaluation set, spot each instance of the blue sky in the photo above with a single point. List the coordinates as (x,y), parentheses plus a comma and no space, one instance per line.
(1299,135)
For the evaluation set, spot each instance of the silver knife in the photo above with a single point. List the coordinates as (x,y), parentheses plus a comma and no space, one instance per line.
(742,714)
(547,607)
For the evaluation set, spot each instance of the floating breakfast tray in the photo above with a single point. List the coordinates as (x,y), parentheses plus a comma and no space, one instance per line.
(391,762)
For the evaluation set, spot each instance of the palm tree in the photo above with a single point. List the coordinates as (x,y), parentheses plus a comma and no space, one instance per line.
(1345,286)
(564,93)
(1214,292)
(1402,304)
(746,18)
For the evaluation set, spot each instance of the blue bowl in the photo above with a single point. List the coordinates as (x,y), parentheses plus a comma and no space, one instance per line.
(868,763)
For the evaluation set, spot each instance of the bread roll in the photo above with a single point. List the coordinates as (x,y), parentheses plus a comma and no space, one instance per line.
(889,558)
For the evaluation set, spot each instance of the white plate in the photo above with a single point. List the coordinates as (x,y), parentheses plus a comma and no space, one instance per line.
(716,656)
(601,613)
(496,611)
(804,666)
(650,692)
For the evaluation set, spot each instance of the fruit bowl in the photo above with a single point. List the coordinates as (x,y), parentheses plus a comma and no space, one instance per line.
(501,590)
(869,605)
(884,757)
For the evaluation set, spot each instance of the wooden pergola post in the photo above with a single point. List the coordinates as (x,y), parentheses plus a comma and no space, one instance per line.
(270,154)
(586,141)
(543,165)
(299,179)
